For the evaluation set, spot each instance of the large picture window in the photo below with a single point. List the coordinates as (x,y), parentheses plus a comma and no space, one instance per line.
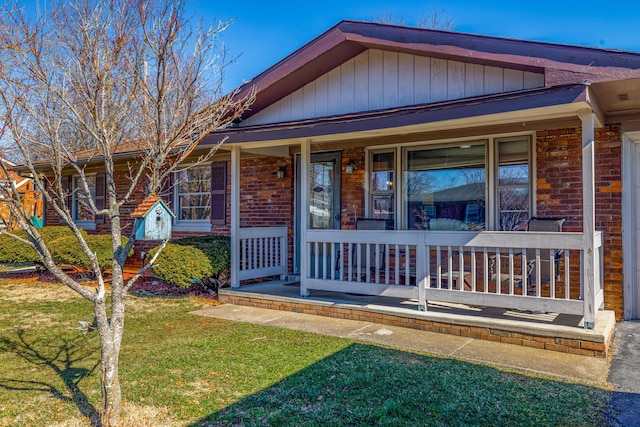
(445,187)
(194,194)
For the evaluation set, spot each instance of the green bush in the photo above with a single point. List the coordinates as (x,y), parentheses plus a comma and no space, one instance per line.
(181,265)
(13,251)
(185,262)
(67,250)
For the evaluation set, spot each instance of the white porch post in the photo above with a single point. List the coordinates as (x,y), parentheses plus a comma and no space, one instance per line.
(305,161)
(589,220)
(235,216)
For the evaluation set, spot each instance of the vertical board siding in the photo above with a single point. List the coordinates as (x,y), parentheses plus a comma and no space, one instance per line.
(378,79)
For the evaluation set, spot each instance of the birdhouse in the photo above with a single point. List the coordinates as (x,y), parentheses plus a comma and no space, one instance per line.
(153,219)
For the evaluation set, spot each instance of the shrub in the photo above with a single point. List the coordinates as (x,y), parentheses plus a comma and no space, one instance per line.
(13,251)
(182,265)
(67,250)
(185,262)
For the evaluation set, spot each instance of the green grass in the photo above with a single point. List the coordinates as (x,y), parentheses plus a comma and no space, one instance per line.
(184,370)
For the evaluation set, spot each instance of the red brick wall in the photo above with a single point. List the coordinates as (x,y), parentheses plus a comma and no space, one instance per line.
(352,194)
(559,193)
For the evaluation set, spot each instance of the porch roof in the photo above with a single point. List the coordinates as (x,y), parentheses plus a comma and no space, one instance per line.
(575,96)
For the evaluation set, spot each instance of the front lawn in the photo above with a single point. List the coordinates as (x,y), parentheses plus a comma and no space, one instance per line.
(178,369)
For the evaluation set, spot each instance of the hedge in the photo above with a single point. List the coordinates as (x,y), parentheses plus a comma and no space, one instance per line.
(13,251)
(67,250)
(185,262)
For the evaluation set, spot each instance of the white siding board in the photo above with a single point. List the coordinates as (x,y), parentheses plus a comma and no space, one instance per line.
(347,91)
(297,104)
(533,80)
(378,79)
(333,91)
(375,79)
(321,96)
(455,80)
(284,107)
(438,79)
(473,80)
(309,93)
(361,81)
(390,79)
(493,80)
(405,79)
(513,80)
(422,80)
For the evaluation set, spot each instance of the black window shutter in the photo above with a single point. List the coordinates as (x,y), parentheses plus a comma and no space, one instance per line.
(166,191)
(101,190)
(218,193)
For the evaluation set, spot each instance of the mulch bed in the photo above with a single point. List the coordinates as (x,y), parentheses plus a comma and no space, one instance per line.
(147,286)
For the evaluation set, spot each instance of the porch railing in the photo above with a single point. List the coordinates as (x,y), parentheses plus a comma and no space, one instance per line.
(517,270)
(263,252)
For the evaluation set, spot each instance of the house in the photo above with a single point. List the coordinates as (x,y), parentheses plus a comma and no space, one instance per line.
(420,127)
(31,199)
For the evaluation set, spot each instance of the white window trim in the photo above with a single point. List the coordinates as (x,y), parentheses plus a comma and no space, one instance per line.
(491,168)
(188,225)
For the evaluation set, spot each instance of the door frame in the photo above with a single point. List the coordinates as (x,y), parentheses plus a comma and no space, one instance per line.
(323,156)
(630,220)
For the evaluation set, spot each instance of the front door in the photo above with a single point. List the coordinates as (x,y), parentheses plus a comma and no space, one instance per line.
(324,196)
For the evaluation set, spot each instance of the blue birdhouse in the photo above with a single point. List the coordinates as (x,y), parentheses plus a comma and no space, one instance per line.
(153,219)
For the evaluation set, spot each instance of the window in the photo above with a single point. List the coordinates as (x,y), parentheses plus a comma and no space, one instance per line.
(469,185)
(194,194)
(81,207)
(382,188)
(513,198)
(446,183)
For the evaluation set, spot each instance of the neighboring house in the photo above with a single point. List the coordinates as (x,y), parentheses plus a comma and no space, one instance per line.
(31,199)
(416,126)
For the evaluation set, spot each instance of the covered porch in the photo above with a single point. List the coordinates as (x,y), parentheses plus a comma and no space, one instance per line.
(482,267)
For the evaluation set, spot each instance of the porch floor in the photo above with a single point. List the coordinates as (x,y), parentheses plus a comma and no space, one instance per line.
(549,331)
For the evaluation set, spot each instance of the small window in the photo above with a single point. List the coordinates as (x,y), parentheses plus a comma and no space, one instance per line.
(81,207)
(194,194)
(382,186)
(513,198)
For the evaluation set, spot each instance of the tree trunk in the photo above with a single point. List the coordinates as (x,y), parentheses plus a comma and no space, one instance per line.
(109,380)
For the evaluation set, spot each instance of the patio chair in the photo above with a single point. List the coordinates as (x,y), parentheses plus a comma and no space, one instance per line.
(529,275)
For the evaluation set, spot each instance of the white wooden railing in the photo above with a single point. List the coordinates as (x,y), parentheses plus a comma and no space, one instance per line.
(478,268)
(263,252)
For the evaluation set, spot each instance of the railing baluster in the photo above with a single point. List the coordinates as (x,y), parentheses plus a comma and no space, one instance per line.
(439,268)
(407,264)
(566,275)
(333,261)
(486,272)
(428,263)
(461,268)
(397,267)
(358,262)
(367,262)
(552,273)
(350,261)
(538,290)
(510,271)
(317,260)
(498,272)
(524,270)
(449,268)
(387,248)
(377,261)
(474,270)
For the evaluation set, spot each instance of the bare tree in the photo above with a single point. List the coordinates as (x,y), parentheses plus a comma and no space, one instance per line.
(102,76)
(434,19)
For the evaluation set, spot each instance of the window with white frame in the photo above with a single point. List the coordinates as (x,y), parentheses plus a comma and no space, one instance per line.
(193,191)
(382,185)
(81,207)
(469,185)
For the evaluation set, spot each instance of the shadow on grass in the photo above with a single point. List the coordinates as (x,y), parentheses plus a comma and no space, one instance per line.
(62,359)
(369,385)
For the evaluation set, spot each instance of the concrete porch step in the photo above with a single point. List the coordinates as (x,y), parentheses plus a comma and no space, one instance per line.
(547,331)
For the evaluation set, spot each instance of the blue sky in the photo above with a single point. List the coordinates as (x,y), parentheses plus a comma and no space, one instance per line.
(264,32)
